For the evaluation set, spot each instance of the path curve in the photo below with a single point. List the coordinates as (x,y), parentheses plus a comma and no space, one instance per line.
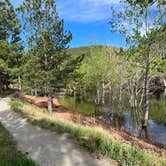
(45,147)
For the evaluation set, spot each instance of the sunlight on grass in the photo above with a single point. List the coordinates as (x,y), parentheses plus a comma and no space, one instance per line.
(9,155)
(95,139)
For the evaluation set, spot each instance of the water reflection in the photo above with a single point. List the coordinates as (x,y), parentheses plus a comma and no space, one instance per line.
(127,118)
(157,132)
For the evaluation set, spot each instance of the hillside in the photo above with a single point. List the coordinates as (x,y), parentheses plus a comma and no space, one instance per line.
(95,49)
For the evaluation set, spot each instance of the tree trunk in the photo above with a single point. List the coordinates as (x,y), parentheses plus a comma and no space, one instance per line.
(146,81)
(1,87)
(98,96)
(164,94)
(19,83)
(120,98)
(146,99)
(35,91)
(50,103)
(31,92)
(164,81)
(110,91)
(145,129)
(103,93)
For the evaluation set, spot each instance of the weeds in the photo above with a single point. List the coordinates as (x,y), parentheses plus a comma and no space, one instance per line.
(9,155)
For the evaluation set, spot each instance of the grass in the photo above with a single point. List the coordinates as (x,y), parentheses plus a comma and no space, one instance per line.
(86,108)
(7,92)
(9,155)
(96,140)
(158,111)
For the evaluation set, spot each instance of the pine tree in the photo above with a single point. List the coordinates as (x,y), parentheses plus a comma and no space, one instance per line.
(9,41)
(47,42)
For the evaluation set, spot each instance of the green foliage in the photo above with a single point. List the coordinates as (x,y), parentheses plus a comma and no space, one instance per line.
(142,33)
(10,55)
(9,155)
(47,63)
(101,63)
(32,74)
(158,111)
(9,24)
(7,92)
(81,107)
(16,106)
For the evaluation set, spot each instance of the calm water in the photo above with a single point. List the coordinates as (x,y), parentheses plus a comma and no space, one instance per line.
(126,120)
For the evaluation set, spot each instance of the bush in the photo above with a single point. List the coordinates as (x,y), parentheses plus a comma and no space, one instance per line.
(15,105)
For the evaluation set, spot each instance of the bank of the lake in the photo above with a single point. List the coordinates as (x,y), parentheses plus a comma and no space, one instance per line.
(126,120)
(112,145)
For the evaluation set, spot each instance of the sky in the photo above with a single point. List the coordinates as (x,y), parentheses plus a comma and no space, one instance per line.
(88,21)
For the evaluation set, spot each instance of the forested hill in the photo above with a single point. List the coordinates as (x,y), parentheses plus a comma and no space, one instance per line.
(93,49)
(104,63)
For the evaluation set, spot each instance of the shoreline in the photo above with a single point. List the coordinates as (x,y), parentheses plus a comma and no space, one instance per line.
(123,135)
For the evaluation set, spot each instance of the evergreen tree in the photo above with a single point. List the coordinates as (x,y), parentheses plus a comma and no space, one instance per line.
(9,40)
(47,44)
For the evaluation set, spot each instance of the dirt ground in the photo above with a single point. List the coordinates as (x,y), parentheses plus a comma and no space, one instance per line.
(121,135)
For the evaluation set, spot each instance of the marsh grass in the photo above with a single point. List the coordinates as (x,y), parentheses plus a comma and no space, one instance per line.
(158,111)
(9,155)
(95,139)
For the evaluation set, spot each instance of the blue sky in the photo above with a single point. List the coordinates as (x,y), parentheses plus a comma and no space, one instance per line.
(88,21)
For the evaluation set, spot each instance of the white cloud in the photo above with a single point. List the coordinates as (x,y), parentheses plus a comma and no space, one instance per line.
(81,10)
(85,10)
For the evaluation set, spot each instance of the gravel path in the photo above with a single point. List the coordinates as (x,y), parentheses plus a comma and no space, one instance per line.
(45,147)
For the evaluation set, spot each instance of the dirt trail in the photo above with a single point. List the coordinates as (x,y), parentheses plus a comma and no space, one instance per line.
(122,136)
(45,147)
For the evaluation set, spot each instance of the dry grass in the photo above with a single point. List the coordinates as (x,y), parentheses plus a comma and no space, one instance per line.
(95,139)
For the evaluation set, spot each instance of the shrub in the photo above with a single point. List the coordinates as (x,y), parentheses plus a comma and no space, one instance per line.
(15,105)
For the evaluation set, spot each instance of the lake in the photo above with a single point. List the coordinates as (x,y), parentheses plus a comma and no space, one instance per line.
(125,119)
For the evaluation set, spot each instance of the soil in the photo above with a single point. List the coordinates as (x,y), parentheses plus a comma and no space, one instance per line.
(125,137)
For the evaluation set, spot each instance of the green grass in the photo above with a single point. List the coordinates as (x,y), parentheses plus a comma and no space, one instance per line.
(7,92)
(158,111)
(9,155)
(84,108)
(96,140)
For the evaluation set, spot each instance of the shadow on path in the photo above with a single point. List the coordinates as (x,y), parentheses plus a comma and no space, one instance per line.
(45,147)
